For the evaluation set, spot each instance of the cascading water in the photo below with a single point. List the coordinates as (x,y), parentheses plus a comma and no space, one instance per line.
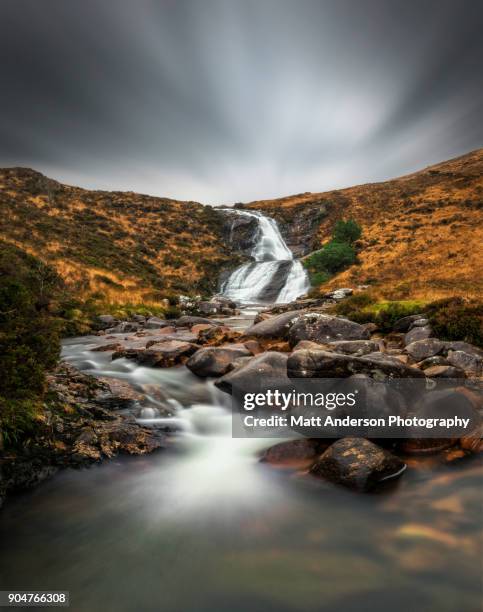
(274,276)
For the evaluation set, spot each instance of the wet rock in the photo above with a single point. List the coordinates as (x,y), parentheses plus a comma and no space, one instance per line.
(322,328)
(419,323)
(422,349)
(215,361)
(471,364)
(106,321)
(139,318)
(190,320)
(473,441)
(358,464)
(418,333)
(298,453)
(274,327)
(425,446)
(437,360)
(121,395)
(323,364)
(253,346)
(308,345)
(112,346)
(178,336)
(200,327)
(444,371)
(403,325)
(166,354)
(458,345)
(265,370)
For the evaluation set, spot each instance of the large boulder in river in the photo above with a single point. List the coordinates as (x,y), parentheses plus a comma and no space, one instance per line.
(422,349)
(300,452)
(358,464)
(417,333)
(216,360)
(321,328)
(190,320)
(157,323)
(262,371)
(160,355)
(274,327)
(324,364)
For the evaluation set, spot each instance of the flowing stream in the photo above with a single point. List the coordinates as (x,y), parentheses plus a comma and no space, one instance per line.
(203,526)
(274,276)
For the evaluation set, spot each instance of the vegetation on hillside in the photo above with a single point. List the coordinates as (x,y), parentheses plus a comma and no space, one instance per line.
(29,339)
(336,255)
(114,247)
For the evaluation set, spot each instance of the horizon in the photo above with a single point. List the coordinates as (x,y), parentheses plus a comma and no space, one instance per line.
(234,102)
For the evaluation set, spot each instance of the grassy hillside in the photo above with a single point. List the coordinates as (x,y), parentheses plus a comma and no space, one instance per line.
(422,233)
(121,247)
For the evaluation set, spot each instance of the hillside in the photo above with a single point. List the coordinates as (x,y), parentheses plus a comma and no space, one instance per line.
(120,246)
(422,233)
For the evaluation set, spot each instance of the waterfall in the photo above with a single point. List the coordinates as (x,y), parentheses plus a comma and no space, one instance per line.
(274,275)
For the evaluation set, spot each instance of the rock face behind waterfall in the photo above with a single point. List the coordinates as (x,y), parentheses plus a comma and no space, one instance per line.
(273,275)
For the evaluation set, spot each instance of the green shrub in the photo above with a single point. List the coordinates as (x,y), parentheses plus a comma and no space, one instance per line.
(331,258)
(347,231)
(318,278)
(457,319)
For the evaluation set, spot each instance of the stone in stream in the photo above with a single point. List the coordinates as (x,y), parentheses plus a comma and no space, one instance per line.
(302,452)
(266,370)
(353,347)
(321,328)
(358,464)
(157,323)
(161,354)
(324,364)
(216,360)
(190,320)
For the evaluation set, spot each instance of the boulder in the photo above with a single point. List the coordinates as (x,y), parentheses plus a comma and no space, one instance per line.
(458,345)
(185,336)
(156,323)
(471,364)
(106,321)
(161,354)
(322,328)
(294,452)
(418,333)
(190,320)
(274,327)
(262,371)
(339,294)
(422,322)
(358,464)
(215,360)
(353,347)
(443,371)
(437,360)
(422,349)
(308,344)
(323,364)
(403,325)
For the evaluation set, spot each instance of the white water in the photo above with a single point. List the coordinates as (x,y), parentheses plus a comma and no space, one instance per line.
(251,282)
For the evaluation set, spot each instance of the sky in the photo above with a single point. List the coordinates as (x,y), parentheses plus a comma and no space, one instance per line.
(224,101)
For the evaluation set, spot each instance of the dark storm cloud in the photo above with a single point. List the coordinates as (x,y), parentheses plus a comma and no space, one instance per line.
(226,100)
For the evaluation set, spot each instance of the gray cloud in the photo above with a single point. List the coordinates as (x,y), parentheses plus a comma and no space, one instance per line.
(230,100)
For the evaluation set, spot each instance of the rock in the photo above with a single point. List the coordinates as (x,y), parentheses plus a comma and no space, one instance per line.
(112,346)
(458,345)
(121,395)
(418,333)
(199,327)
(308,344)
(353,347)
(274,327)
(403,325)
(358,464)
(437,360)
(253,346)
(190,320)
(166,354)
(156,323)
(294,452)
(265,370)
(178,336)
(339,294)
(323,364)
(139,318)
(166,331)
(419,323)
(321,328)
(106,321)
(473,440)
(209,307)
(218,334)
(215,361)
(443,371)
(422,349)
(472,365)
(425,446)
